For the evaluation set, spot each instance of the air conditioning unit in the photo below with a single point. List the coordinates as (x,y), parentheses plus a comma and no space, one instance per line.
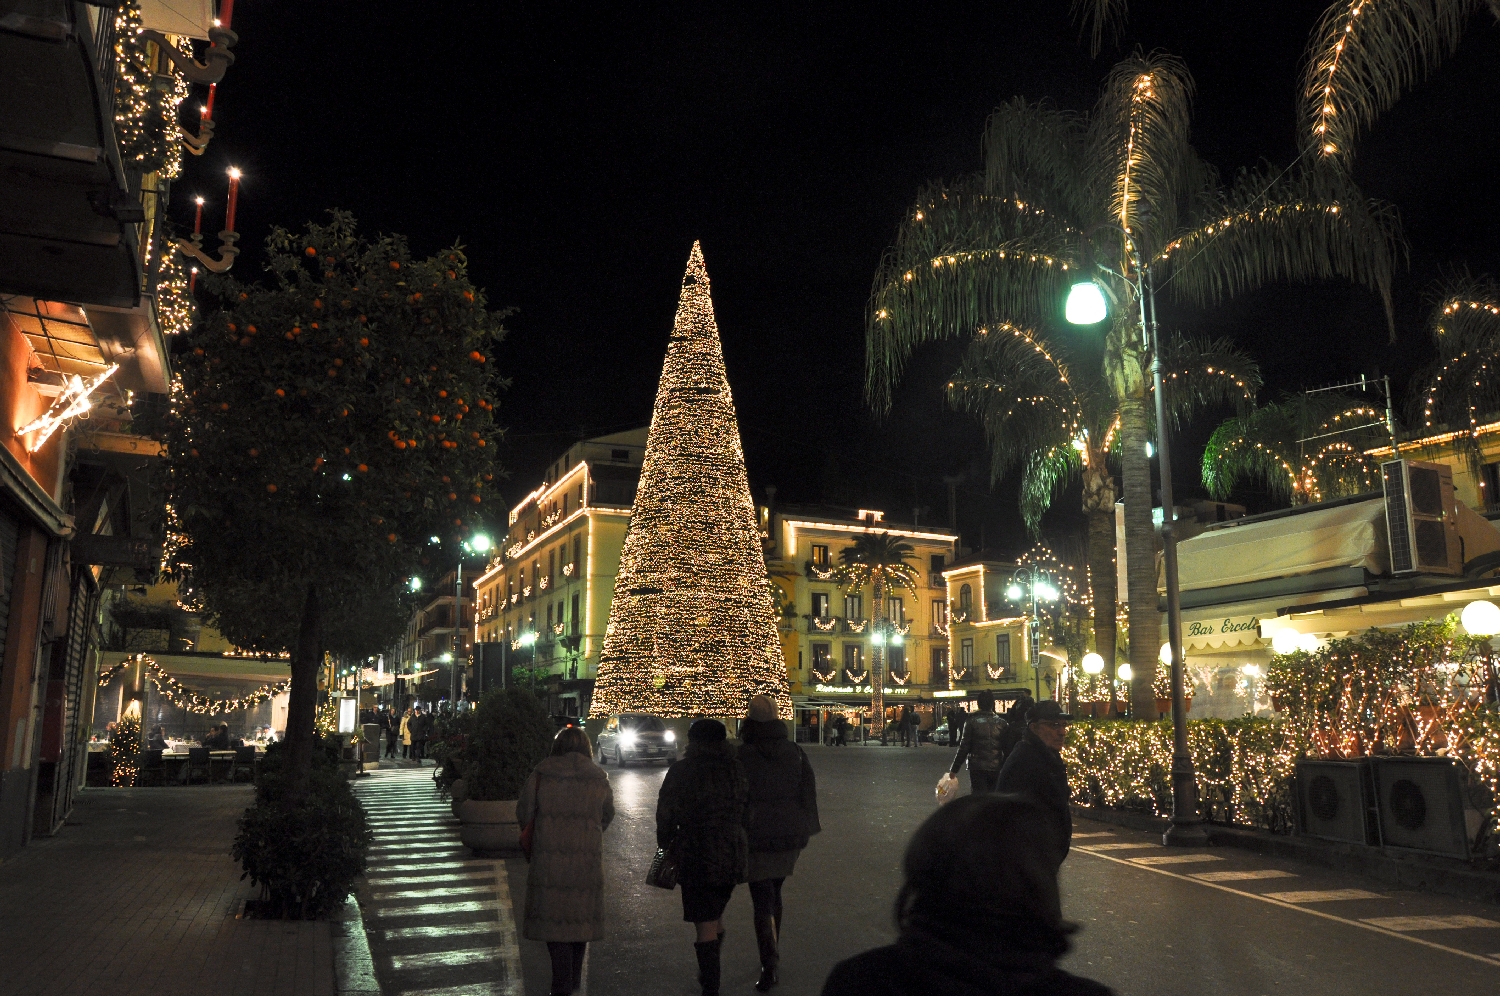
(1335,800)
(1421,804)
(1421,515)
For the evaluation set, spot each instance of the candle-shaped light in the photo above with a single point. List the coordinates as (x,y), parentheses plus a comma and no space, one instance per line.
(234,197)
(226,12)
(207,107)
(198,216)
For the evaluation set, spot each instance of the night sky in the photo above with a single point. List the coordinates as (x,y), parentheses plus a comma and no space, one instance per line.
(577,151)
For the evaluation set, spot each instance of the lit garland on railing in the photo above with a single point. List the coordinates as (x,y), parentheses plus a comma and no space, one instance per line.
(960,673)
(568,570)
(900,679)
(145,114)
(514,550)
(856,679)
(824,623)
(824,678)
(544,583)
(692,564)
(856,625)
(174,303)
(557,628)
(548,521)
(820,573)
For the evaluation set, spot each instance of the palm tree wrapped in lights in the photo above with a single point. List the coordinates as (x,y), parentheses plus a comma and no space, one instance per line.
(879,562)
(1461,388)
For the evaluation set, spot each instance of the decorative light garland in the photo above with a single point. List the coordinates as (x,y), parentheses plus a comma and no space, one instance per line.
(824,623)
(692,563)
(124,745)
(179,695)
(145,114)
(856,625)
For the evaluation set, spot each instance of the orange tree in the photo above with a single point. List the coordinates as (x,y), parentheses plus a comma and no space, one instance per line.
(326,424)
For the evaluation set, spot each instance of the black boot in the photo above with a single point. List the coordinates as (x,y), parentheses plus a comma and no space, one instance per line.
(708,965)
(770,957)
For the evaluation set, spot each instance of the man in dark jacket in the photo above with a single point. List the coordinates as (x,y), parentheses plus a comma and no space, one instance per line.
(390,725)
(420,726)
(978,911)
(980,746)
(783,815)
(1035,768)
(1016,718)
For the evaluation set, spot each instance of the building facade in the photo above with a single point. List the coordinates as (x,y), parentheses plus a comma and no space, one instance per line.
(543,601)
(432,663)
(989,636)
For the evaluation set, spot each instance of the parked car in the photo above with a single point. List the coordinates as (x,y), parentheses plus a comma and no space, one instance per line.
(634,736)
(941,736)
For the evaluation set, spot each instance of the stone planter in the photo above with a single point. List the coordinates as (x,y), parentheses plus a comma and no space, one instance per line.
(489,827)
(459,791)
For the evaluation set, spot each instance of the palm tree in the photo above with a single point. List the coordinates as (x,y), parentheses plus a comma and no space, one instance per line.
(1058,421)
(879,562)
(1301,449)
(996,250)
(1461,386)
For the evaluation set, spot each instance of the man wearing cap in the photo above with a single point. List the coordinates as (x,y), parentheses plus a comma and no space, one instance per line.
(1036,769)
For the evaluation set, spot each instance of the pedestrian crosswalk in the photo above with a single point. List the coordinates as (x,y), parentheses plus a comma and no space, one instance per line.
(439,921)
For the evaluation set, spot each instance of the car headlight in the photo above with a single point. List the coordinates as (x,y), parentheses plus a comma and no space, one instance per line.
(627,739)
(669,737)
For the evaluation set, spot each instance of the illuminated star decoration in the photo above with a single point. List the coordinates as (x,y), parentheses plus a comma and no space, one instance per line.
(72,402)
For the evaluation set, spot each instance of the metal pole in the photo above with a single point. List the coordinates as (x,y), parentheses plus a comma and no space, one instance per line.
(1187,825)
(458,642)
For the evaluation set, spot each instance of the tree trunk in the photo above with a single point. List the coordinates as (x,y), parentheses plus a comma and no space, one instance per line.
(1126,370)
(302,703)
(1099,506)
(877,680)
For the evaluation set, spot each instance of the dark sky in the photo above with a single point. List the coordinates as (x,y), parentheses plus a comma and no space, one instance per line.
(578,150)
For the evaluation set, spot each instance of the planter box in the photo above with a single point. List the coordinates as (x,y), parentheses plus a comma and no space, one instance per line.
(489,827)
(459,791)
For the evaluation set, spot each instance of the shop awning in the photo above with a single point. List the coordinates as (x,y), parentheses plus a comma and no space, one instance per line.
(1345,536)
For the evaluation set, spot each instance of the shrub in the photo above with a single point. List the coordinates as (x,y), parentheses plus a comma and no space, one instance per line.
(305,852)
(512,732)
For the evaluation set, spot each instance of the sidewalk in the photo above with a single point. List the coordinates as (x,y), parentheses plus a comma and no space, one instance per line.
(137,896)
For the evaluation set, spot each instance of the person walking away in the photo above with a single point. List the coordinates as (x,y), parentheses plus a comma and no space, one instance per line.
(978,913)
(1015,724)
(406,734)
(841,730)
(956,725)
(783,807)
(700,818)
(980,745)
(421,729)
(568,802)
(389,726)
(1035,769)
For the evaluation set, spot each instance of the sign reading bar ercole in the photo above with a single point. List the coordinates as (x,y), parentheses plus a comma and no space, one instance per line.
(1231,631)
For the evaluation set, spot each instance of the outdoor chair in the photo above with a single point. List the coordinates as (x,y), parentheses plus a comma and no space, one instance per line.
(244,761)
(198,760)
(151,768)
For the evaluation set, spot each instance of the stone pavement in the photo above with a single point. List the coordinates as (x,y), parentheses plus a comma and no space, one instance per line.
(439,921)
(137,896)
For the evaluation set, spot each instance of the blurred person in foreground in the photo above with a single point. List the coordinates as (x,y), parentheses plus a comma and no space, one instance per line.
(978,912)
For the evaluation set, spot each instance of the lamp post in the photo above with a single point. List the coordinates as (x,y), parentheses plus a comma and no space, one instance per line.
(1036,586)
(480,543)
(528,639)
(1086,305)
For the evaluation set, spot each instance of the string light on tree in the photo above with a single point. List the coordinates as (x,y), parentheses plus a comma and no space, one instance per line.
(691,630)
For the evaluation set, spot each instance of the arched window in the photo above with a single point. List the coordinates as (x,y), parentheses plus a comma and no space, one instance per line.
(965,599)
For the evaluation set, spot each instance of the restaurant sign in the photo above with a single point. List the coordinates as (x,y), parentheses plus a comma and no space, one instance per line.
(855,690)
(1224,631)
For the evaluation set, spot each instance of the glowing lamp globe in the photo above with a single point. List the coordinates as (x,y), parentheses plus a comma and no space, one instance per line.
(1086,304)
(1165,653)
(1308,643)
(1093,663)
(1481,618)
(1284,641)
(1124,672)
(1013,593)
(1251,670)
(480,543)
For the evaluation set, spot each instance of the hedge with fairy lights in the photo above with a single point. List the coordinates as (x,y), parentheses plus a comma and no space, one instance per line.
(1426,690)
(325,424)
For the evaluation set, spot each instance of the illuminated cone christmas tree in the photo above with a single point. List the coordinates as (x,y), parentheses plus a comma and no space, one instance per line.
(691,630)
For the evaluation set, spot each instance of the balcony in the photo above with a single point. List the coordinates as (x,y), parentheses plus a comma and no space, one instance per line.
(856,627)
(822,624)
(936,580)
(818,572)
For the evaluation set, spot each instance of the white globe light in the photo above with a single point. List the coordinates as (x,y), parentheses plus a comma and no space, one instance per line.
(1085,304)
(1093,663)
(480,543)
(1124,672)
(1481,618)
(1165,653)
(1308,644)
(1284,641)
(1251,670)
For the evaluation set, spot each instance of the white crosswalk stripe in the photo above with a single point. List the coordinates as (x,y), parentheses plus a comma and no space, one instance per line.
(1244,875)
(1122,847)
(1406,923)
(1323,896)
(1175,859)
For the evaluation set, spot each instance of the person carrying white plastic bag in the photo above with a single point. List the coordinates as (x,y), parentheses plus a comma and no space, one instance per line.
(947,788)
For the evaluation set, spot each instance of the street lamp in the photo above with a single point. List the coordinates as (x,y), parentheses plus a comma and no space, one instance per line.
(1036,586)
(528,639)
(1090,307)
(478,543)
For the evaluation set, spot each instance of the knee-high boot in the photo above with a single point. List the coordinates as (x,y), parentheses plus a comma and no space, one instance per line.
(770,956)
(708,965)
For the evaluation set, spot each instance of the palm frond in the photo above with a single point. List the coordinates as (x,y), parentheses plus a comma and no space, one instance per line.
(1301,448)
(1035,154)
(1311,225)
(1202,373)
(1364,54)
(1100,21)
(963,259)
(1467,315)
(1461,390)
(1140,135)
(1048,473)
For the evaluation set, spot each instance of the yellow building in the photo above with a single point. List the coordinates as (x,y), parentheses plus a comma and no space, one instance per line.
(1481,494)
(545,596)
(989,636)
(826,631)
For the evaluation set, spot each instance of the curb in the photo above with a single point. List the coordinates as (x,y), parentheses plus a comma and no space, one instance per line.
(1408,869)
(353,966)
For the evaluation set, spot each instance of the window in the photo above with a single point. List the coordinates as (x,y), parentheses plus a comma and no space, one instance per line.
(577,553)
(896,660)
(896,610)
(966,655)
(820,555)
(575,614)
(854,606)
(620,456)
(939,613)
(1002,649)
(823,658)
(854,664)
(820,604)
(1489,484)
(966,600)
(939,665)
(938,561)
(549,617)
(565,504)
(552,563)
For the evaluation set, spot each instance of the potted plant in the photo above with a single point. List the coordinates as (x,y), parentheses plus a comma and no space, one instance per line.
(512,732)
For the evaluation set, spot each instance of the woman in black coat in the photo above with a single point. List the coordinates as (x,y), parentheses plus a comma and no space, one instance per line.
(978,912)
(783,815)
(700,818)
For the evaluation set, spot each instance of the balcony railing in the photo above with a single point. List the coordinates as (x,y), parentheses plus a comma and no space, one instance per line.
(822,624)
(819,572)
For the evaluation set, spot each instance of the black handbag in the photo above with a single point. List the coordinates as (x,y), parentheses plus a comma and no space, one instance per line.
(663,873)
